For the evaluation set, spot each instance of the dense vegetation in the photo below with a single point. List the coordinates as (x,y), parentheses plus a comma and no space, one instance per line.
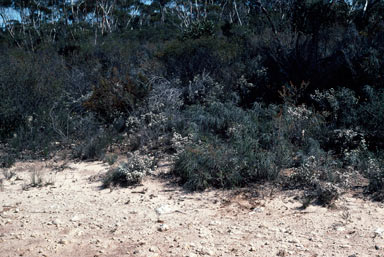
(236,90)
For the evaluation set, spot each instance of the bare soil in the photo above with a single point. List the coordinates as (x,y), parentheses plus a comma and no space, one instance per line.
(73,216)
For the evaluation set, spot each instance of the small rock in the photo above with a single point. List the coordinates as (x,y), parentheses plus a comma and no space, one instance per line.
(282,253)
(379,232)
(163,227)
(190,255)
(340,229)
(75,218)
(163,209)
(258,235)
(377,247)
(153,249)
(56,222)
(63,242)
(257,210)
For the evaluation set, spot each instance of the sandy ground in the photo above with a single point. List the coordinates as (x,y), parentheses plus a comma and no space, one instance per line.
(73,217)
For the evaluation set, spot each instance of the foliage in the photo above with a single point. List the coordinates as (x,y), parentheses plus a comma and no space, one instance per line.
(237,91)
(375,172)
(128,173)
(199,29)
(233,147)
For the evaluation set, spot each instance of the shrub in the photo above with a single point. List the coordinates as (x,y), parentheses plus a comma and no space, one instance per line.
(7,160)
(199,29)
(112,97)
(93,147)
(154,118)
(27,89)
(375,172)
(184,59)
(110,158)
(128,173)
(371,117)
(234,147)
(200,167)
(339,105)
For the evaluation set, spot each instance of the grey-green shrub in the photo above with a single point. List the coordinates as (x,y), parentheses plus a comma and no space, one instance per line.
(232,146)
(128,173)
(375,171)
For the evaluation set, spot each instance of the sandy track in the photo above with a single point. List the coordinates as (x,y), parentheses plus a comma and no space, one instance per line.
(74,217)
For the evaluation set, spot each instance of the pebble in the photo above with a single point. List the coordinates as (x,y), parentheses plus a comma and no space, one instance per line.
(56,222)
(63,242)
(163,209)
(377,247)
(163,227)
(153,249)
(379,232)
(256,210)
(340,229)
(75,218)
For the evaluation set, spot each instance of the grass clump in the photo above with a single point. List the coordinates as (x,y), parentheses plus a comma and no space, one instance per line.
(8,174)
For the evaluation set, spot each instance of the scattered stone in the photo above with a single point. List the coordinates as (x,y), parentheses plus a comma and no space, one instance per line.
(258,235)
(56,222)
(256,210)
(282,253)
(340,228)
(75,218)
(163,228)
(153,249)
(379,232)
(377,247)
(163,209)
(63,242)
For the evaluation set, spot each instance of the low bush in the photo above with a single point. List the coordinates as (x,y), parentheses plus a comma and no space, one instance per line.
(128,173)
(200,167)
(375,170)
(233,147)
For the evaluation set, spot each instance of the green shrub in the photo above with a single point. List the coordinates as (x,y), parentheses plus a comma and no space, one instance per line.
(110,158)
(27,87)
(375,171)
(93,148)
(111,98)
(185,59)
(7,160)
(234,147)
(199,29)
(371,117)
(201,167)
(128,173)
